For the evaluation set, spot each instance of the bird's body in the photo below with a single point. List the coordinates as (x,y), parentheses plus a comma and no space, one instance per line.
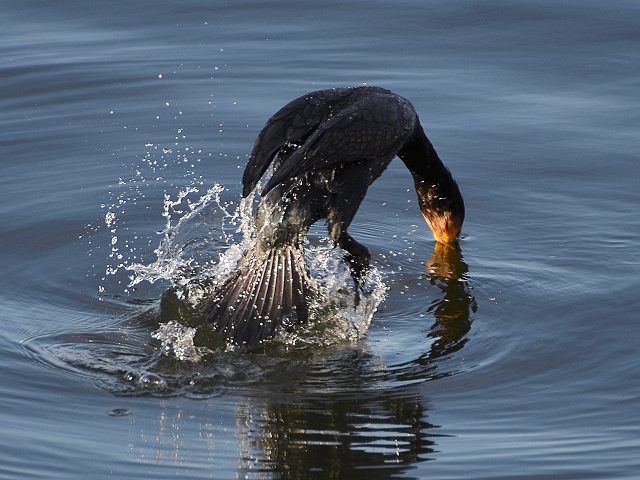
(325,149)
(336,143)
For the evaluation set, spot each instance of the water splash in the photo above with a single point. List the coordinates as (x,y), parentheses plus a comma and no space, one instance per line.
(177,341)
(171,262)
(202,240)
(336,316)
(339,313)
(135,193)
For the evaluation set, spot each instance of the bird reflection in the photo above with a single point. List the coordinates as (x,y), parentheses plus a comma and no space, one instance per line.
(338,413)
(374,434)
(448,271)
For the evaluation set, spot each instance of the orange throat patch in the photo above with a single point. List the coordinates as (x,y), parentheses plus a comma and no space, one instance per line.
(444,226)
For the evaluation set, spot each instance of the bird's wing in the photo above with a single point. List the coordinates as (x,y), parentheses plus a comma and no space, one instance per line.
(292,125)
(375,126)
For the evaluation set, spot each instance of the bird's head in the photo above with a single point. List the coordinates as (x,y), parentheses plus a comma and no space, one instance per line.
(442,207)
(439,197)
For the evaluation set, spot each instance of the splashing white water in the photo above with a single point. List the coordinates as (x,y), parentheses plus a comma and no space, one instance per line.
(338,297)
(177,341)
(177,256)
(336,315)
(134,192)
(200,245)
(170,260)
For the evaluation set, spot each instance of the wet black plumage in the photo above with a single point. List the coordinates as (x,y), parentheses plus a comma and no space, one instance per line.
(325,149)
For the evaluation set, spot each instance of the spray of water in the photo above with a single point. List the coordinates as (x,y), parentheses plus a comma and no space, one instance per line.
(335,314)
(199,246)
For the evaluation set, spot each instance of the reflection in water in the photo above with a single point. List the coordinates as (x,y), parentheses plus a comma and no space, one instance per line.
(377,433)
(448,271)
(350,422)
(335,413)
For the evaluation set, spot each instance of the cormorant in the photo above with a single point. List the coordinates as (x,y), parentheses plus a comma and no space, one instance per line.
(325,149)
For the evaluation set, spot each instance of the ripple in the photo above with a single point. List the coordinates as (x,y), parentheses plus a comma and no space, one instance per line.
(119,412)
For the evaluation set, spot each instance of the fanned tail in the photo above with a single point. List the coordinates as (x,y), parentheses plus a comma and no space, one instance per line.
(267,290)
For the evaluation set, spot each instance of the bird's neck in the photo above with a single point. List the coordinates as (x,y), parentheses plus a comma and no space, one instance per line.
(439,197)
(421,158)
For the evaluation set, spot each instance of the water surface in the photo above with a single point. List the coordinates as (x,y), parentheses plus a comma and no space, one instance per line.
(514,357)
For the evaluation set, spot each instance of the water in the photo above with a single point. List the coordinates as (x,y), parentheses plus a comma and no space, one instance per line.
(513,358)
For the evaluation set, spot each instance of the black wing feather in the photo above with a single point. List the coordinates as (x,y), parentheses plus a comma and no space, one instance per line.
(292,124)
(374,126)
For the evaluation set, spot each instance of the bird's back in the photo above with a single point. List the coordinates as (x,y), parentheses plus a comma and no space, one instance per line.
(330,128)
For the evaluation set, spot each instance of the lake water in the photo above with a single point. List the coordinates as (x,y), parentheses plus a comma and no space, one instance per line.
(515,357)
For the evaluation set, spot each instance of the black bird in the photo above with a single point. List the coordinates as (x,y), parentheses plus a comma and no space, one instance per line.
(325,149)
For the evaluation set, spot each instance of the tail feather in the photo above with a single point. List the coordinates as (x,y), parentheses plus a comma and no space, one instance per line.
(266,290)
(297,284)
(278,300)
(287,294)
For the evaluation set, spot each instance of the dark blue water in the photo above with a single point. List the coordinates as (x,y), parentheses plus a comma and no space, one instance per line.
(513,358)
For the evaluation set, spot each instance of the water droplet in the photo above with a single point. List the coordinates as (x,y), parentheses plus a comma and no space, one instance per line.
(151,381)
